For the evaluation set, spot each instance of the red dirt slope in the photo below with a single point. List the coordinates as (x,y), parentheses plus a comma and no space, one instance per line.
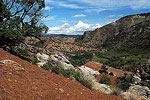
(34,83)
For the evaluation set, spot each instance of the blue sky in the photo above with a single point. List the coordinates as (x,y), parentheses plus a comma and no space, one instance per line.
(77,16)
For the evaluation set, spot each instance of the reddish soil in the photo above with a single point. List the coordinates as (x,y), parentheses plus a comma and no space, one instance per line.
(96,66)
(37,84)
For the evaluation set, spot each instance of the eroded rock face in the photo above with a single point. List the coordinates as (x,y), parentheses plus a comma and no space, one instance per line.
(114,32)
(42,58)
(139,90)
(61,61)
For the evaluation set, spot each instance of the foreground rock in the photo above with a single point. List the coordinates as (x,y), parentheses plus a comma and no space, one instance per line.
(90,75)
(42,58)
(61,61)
(101,87)
(88,71)
(130,96)
(139,91)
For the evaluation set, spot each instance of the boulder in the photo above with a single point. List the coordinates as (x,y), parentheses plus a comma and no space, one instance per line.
(130,96)
(139,91)
(88,71)
(42,58)
(61,61)
(101,87)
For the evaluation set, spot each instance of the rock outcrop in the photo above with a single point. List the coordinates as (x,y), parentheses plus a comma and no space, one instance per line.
(139,91)
(42,58)
(61,61)
(90,75)
(88,71)
(101,87)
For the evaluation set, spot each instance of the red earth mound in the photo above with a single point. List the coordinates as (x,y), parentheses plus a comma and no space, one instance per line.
(33,83)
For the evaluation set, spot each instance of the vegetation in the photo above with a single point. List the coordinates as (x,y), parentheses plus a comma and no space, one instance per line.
(14,26)
(81,58)
(124,82)
(69,73)
(45,66)
(105,80)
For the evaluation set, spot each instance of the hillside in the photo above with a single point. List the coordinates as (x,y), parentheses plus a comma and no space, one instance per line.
(117,30)
(24,81)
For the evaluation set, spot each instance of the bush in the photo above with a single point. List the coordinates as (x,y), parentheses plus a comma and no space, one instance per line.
(80,78)
(111,73)
(70,73)
(45,66)
(57,70)
(34,61)
(81,58)
(124,82)
(124,86)
(22,52)
(105,80)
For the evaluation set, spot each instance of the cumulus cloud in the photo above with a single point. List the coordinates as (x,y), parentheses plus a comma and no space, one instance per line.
(79,28)
(81,15)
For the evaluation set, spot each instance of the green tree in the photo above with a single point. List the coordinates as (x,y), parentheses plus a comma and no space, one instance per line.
(20,18)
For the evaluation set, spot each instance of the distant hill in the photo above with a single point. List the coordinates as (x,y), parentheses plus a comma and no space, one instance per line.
(129,30)
(59,35)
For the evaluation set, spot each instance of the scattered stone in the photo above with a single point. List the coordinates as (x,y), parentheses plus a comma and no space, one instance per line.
(61,90)
(136,79)
(12,64)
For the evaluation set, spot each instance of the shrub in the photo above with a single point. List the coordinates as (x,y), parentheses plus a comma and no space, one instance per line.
(105,80)
(57,70)
(124,85)
(34,61)
(22,52)
(111,73)
(71,73)
(45,66)
(68,73)
(80,78)
(81,58)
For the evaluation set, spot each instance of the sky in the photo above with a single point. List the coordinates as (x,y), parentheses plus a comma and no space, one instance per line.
(74,17)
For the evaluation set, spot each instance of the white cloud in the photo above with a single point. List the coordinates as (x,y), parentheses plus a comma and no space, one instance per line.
(48,8)
(81,15)
(79,28)
(110,16)
(49,18)
(63,4)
